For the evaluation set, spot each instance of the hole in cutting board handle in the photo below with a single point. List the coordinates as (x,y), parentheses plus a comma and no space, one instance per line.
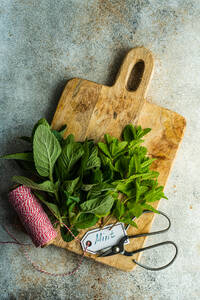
(135,76)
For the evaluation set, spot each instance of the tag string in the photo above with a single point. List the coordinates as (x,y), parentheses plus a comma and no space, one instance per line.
(34,265)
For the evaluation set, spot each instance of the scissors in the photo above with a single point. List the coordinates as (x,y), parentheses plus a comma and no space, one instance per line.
(119,248)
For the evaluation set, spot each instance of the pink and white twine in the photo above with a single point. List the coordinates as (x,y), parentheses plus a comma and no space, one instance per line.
(36,223)
(32,216)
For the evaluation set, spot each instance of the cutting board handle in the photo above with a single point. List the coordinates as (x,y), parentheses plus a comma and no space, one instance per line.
(142,58)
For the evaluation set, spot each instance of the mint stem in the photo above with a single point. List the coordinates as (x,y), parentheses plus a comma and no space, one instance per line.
(55,192)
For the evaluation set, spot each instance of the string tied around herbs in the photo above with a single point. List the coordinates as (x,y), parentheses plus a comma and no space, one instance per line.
(38,226)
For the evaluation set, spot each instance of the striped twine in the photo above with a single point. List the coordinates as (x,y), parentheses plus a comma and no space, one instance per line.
(37,225)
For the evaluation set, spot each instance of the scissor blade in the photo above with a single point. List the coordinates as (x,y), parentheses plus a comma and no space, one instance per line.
(109,252)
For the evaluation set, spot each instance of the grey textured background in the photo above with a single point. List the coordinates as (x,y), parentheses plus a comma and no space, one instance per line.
(45,43)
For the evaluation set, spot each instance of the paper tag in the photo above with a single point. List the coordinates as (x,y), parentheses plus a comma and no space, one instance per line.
(103,238)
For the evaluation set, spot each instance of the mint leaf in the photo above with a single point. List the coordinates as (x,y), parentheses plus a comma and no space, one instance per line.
(96,176)
(108,139)
(117,148)
(129,133)
(40,122)
(70,185)
(98,189)
(149,207)
(143,132)
(46,150)
(127,188)
(88,180)
(135,209)
(99,206)
(28,156)
(147,163)
(119,209)
(128,220)
(57,135)
(155,195)
(137,185)
(104,148)
(106,167)
(72,199)
(86,220)
(93,160)
(66,235)
(46,186)
(53,208)
(133,133)
(122,166)
(70,155)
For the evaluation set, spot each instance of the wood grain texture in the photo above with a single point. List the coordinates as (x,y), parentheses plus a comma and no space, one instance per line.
(90,110)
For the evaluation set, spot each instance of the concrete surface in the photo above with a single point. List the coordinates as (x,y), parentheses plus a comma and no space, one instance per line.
(43,44)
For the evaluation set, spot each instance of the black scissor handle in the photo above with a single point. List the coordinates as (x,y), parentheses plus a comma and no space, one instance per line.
(127,253)
(154,246)
(155,232)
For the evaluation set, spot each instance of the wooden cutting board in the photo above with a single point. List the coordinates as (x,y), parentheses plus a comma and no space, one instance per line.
(90,110)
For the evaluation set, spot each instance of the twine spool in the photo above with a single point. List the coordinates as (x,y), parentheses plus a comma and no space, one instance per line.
(32,216)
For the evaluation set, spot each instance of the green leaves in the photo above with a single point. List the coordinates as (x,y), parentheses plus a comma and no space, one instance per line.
(59,134)
(99,206)
(46,150)
(131,133)
(53,208)
(147,163)
(80,182)
(71,154)
(155,194)
(46,186)
(86,220)
(119,209)
(136,209)
(70,185)
(113,147)
(40,122)
(117,147)
(127,166)
(93,160)
(122,166)
(28,156)
(104,149)
(66,235)
(122,214)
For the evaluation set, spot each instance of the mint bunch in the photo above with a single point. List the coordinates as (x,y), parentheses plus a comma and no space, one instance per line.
(82,182)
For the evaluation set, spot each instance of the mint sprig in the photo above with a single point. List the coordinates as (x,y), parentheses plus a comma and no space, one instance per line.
(81,182)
